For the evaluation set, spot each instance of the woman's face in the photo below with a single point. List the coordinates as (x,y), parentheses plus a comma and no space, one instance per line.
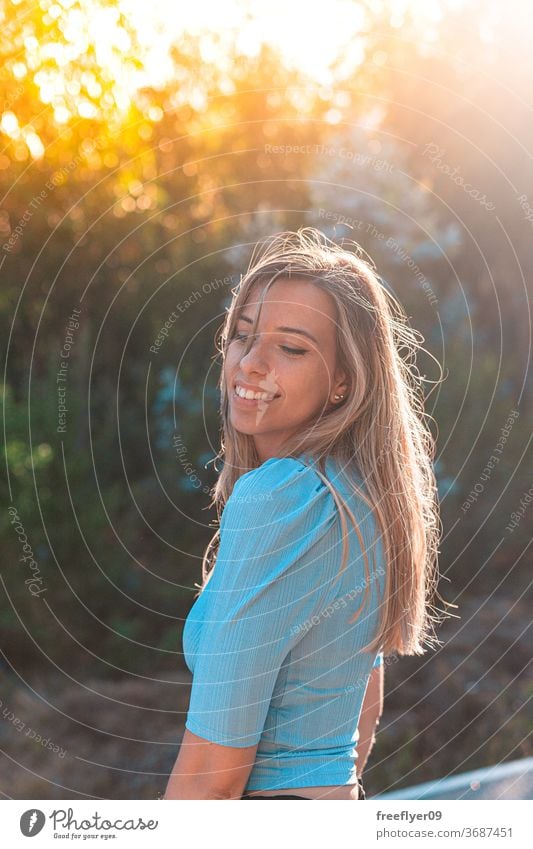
(296,371)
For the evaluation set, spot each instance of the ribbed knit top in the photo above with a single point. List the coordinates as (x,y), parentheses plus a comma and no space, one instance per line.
(274,659)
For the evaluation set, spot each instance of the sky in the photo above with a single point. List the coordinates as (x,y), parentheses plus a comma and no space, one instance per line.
(309,35)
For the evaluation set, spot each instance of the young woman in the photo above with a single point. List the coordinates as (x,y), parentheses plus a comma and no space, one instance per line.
(326,554)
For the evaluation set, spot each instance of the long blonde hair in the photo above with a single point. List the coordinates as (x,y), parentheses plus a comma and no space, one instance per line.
(379,428)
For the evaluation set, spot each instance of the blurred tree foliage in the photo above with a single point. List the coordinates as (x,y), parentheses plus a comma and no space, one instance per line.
(129,214)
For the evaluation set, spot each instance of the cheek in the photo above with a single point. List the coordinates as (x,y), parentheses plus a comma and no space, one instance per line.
(231,360)
(309,381)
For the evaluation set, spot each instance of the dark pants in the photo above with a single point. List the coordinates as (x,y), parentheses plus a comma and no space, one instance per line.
(276,797)
(362,795)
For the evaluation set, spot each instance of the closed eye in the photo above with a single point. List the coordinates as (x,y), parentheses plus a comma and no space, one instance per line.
(293,352)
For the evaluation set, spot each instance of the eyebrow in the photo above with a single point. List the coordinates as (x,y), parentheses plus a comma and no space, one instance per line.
(284,329)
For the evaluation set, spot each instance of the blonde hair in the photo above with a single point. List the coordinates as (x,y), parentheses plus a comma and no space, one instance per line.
(378,428)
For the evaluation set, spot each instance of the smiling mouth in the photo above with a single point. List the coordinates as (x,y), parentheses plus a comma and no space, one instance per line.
(251,402)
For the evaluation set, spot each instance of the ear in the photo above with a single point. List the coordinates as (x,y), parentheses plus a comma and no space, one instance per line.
(341,384)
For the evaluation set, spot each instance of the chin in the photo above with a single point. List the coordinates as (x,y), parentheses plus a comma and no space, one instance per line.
(247,428)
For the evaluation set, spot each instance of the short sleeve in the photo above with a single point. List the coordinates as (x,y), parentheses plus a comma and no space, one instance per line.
(277,531)
(379,660)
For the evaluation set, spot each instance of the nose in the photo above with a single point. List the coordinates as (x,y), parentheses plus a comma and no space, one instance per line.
(254,360)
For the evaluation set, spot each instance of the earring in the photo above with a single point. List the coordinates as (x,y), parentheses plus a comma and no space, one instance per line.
(338,397)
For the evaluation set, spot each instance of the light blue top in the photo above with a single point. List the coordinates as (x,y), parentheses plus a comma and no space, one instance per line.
(274,660)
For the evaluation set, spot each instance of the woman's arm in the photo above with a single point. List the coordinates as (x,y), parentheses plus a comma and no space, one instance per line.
(370,716)
(205,770)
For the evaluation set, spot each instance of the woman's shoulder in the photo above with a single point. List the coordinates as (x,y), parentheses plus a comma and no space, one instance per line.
(299,478)
(278,477)
(282,492)
(276,514)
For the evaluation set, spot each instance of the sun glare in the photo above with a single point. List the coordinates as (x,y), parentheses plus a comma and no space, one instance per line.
(309,37)
(95,68)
